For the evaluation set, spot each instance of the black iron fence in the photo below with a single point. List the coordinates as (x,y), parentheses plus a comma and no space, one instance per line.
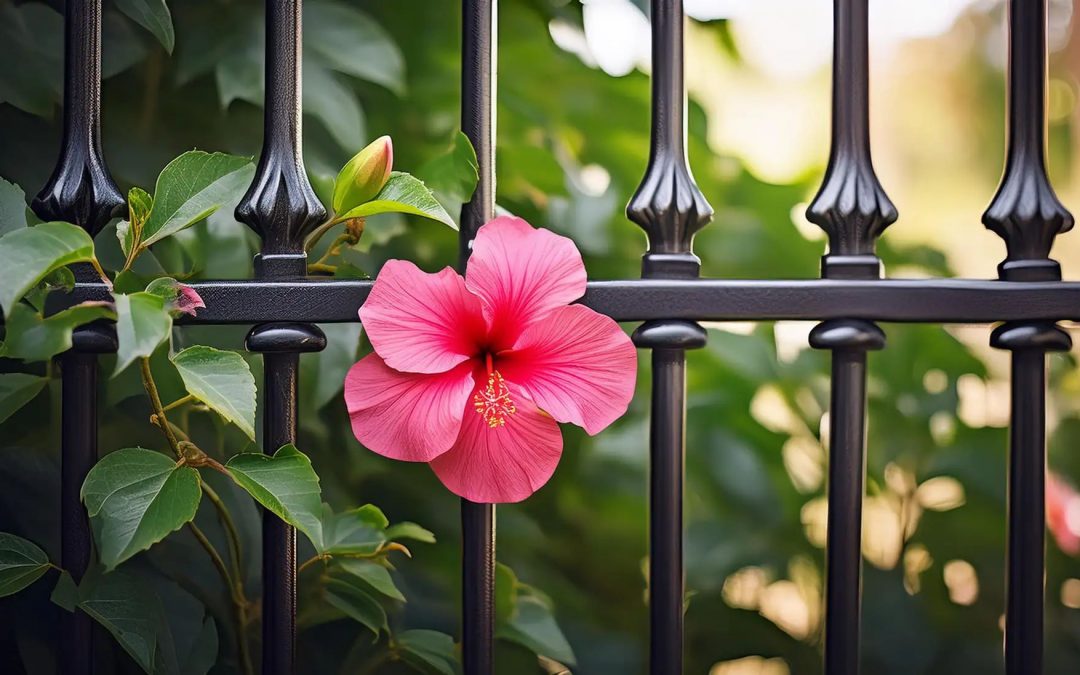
(282,305)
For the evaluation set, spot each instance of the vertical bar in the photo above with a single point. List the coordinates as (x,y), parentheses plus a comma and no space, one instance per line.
(1027,513)
(1027,214)
(667,468)
(282,208)
(671,209)
(846,477)
(853,209)
(79,452)
(849,341)
(79,191)
(478,86)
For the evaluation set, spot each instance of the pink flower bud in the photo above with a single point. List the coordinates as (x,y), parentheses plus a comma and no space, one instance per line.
(363,176)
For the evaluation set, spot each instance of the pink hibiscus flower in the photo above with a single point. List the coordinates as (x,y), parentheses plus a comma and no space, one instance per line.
(1063,513)
(472,375)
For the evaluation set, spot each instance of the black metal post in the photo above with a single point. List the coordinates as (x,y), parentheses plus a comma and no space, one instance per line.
(80,191)
(853,209)
(670,208)
(1027,214)
(479,47)
(281,206)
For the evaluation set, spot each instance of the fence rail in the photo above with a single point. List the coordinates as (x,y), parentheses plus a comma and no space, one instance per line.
(851,207)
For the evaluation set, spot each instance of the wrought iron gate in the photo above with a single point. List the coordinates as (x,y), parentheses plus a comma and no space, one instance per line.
(850,297)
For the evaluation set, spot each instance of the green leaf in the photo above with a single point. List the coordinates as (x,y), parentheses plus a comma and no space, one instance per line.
(373,574)
(136,497)
(154,16)
(223,381)
(533,626)
(285,484)
(31,35)
(407,530)
(18,389)
(28,255)
(404,194)
(21,563)
(130,231)
(351,42)
(506,592)
(330,100)
(126,608)
(455,172)
(191,187)
(357,531)
(12,207)
(351,597)
(429,651)
(33,338)
(204,653)
(142,323)
(66,592)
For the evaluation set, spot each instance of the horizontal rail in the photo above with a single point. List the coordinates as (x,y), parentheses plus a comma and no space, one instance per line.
(889,300)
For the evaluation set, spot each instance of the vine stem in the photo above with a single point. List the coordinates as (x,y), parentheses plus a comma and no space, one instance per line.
(236,588)
(319,231)
(239,604)
(159,419)
(178,402)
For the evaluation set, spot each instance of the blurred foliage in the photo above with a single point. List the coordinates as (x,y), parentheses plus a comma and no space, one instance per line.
(755,456)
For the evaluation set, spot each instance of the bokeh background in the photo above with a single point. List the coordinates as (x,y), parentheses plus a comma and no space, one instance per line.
(573,124)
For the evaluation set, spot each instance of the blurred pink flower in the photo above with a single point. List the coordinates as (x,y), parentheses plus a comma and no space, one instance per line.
(472,374)
(1063,513)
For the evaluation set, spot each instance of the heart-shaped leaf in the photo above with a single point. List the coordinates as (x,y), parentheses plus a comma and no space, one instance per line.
(130,610)
(190,188)
(29,254)
(285,484)
(454,173)
(374,575)
(154,16)
(357,531)
(18,389)
(222,380)
(351,596)
(134,498)
(142,323)
(429,651)
(13,212)
(404,194)
(31,337)
(21,563)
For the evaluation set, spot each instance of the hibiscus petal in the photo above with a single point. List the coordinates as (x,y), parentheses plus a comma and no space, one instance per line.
(413,417)
(420,322)
(522,273)
(577,365)
(501,464)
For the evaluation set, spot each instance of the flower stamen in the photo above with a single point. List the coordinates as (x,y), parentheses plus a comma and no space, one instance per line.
(493,403)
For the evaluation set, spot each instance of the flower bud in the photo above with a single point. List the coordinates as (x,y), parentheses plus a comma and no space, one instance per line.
(363,176)
(179,298)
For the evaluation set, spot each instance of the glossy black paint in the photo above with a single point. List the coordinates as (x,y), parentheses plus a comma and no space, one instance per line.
(853,209)
(282,208)
(889,300)
(1027,214)
(80,191)
(850,206)
(670,208)
(479,39)
(849,340)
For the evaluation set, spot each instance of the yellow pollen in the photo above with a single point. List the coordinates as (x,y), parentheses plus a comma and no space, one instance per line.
(493,403)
